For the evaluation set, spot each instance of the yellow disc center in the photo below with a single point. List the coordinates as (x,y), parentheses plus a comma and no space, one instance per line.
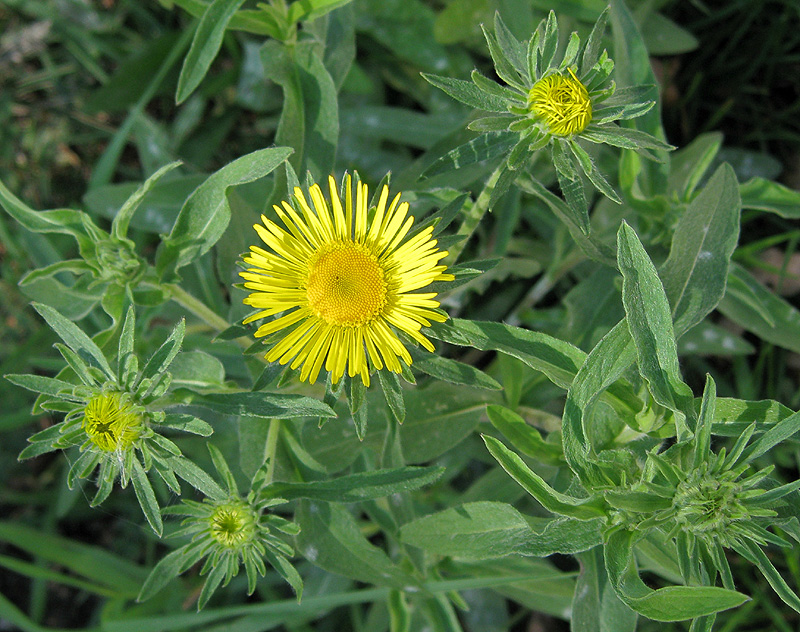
(346,284)
(563,102)
(232,524)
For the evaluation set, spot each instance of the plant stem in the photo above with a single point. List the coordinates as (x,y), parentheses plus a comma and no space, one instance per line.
(272,445)
(197,307)
(475,214)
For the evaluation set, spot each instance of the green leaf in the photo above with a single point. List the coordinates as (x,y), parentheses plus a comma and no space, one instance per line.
(485,530)
(205,45)
(689,164)
(393,394)
(765,195)
(76,340)
(627,138)
(64,221)
(673,603)
(571,185)
(696,271)
(165,571)
(523,436)
(594,175)
(663,37)
(119,226)
(196,477)
(553,501)
(41,384)
(454,372)
(165,354)
(484,147)
(557,359)
(309,119)
(591,53)
(205,215)
(751,305)
(197,369)
(267,405)
(781,431)
(650,324)
(753,553)
(308,10)
(84,560)
(358,487)
(146,497)
(593,249)
(468,93)
(330,539)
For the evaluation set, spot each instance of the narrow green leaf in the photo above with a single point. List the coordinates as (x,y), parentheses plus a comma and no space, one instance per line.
(146,497)
(591,53)
(312,9)
(751,305)
(673,603)
(556,358)
(484,147)
(580,508)
(165,354)
(696,271)
(455,372)
(121,221)
(196,477)
(165,571)
(485,530)
(393,394)
(41,384)
(766,195)
(702,440)
(267,405)
(468,93)
(206,213)
(752,552)
(523,436)
(689,164)
(76,340)
(650,324)
(205,45)
(358,487)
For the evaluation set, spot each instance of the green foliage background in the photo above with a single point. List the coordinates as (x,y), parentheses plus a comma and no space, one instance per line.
(414,526)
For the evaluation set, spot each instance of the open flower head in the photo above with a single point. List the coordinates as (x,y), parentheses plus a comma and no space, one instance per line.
(344,279)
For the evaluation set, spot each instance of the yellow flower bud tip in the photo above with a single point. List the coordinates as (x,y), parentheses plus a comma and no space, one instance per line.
(111,423)
(233,524)
(563,102)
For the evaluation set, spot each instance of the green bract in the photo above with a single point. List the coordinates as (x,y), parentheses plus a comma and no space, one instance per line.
(114,415)
(228,530)
(553,103)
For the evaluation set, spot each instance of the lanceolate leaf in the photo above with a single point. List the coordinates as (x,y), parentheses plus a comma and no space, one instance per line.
(205,215)
(468,93)
(358,487)
(696,272)
(76,340)
(580,508)
(674,603)
(205,45)
(650,324)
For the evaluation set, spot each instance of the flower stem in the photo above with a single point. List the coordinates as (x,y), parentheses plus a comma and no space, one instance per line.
(272,446)
(475,214)
(198,308)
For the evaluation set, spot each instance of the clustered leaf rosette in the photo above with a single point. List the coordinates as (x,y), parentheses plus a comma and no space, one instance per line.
(228,530)
(112,415)
(555,103)
(109,267)
(693,503)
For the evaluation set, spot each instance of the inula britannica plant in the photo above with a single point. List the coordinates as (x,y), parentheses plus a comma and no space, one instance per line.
(393,317)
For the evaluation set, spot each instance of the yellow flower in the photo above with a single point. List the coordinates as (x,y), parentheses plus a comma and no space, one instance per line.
(344,280)
(563,102)
(111,423)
